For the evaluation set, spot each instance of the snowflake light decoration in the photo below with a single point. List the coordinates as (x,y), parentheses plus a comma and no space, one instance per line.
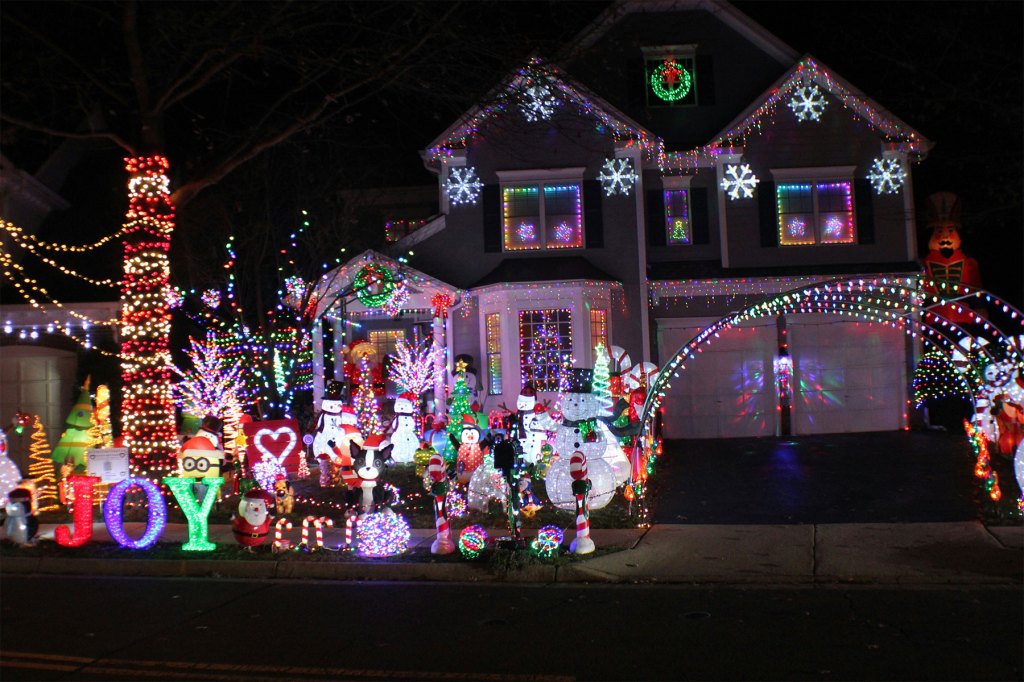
(887,176)
(808,103)
(463,185)
(617,176)
(399,297)
(526,232)
(739,181)
(539,103)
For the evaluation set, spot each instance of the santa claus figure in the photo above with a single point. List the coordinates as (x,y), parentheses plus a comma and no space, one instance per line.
(251,525)
(946,264)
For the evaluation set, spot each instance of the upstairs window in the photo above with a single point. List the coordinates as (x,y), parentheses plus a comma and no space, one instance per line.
(815,213)
(677,217)
(542,216)
(670,76)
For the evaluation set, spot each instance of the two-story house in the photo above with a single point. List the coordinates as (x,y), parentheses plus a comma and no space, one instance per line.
(677,162)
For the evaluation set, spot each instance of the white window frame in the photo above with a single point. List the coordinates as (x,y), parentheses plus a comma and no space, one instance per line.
(540,178)
(815,176)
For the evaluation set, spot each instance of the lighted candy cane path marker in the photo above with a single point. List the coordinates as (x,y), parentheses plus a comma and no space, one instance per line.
(443,542)
(582,543)
(907,303)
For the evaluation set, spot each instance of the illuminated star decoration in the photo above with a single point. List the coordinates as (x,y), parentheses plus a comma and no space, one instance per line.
(887,176)
(460,366)
(617,176)
(739,181)
(539,103)
(463,186)
(808,103)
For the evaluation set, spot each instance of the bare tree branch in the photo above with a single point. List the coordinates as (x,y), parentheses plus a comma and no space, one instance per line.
(94,135)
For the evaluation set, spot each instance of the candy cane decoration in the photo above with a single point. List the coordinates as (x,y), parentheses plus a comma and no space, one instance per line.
(350,526)
(318,525)
(582,544)
(443,542)
(280,544)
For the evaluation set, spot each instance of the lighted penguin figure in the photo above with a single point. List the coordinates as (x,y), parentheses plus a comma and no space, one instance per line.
(21,526)
(470,449)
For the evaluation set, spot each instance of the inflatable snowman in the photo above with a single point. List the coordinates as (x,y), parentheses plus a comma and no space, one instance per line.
(403,429)
(580,431)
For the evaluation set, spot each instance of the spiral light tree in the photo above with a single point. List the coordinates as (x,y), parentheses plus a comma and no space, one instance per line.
(147,405)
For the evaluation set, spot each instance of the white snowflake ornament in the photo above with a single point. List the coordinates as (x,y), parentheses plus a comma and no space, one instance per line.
(739,181)
(807,103)
(539,103)
(463,185)
(617,176)
(887,176)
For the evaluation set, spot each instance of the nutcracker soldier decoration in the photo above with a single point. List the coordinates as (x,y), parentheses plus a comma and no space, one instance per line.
(946,264)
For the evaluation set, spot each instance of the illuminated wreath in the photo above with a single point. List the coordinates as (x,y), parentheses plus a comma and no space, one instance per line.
(670,81)
(374,285)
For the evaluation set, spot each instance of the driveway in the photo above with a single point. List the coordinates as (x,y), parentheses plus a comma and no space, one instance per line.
(886,477)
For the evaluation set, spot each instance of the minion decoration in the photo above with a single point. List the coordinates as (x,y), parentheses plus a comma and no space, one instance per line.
(199,458)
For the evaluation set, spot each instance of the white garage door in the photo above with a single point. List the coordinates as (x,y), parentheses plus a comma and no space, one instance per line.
(728,390)
(848,376)
(39,381)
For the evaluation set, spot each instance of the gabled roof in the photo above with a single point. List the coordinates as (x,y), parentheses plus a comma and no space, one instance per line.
(338,284)
(724,11)
(770,104)
(512,91)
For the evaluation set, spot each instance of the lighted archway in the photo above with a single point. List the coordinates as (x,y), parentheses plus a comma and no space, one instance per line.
(912,304)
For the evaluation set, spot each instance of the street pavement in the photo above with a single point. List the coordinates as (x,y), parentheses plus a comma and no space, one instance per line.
(886,509)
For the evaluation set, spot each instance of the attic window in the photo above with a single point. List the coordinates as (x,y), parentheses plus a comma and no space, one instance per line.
(670,76)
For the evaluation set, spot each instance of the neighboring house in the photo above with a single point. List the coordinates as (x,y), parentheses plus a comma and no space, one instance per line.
(544,228)
(46,351)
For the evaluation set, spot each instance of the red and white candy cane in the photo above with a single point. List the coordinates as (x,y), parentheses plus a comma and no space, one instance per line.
(280,544)
(350,525)
(318,526)
(582,543)
(443,542)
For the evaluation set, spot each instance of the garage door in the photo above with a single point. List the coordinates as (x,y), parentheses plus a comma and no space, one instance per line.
(848,376)
(727,391)
(39,381)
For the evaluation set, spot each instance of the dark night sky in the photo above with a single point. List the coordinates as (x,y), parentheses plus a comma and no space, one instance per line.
(951,70)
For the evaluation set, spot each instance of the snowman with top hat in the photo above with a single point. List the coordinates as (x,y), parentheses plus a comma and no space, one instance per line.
(526,427)
(403,429)
(580,430)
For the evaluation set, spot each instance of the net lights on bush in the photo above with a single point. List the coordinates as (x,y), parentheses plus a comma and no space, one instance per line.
(548,541)
(807,102)
(617,176)
(147,408)
(113,513)
(887,175)
(739,181)
(463,186)
(382,534)
(472,541)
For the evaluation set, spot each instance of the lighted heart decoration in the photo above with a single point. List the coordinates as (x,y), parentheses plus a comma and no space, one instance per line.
(274,441)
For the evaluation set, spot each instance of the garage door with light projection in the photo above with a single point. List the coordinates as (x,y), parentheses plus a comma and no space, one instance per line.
(39,381)
(728,389)
(847,375)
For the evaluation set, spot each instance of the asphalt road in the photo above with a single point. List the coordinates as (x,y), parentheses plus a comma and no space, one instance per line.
(888,477)
(65,628)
